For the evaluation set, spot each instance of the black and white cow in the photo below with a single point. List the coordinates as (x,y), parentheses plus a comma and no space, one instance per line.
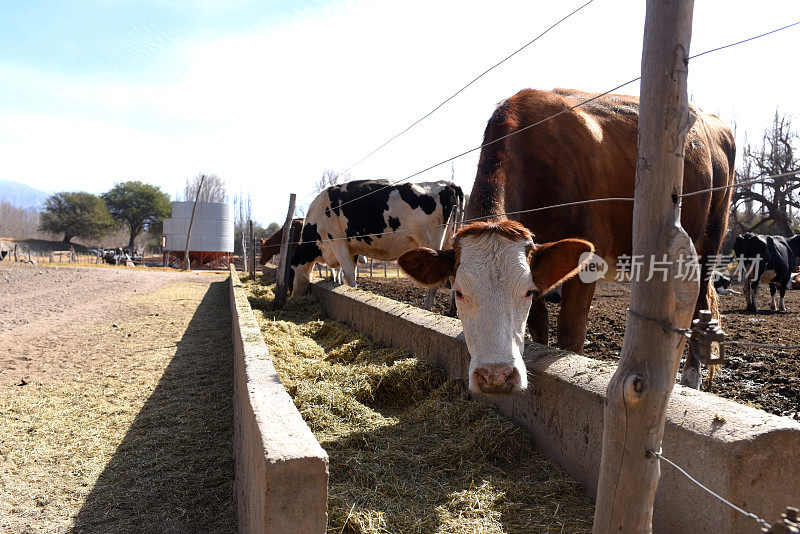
(378,220)
(767,258)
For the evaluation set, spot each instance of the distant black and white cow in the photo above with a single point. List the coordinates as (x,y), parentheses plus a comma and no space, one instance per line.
(767,258)
(378,220)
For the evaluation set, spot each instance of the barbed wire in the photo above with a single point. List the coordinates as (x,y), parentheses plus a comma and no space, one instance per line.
(659,454)
(739,184)
(760,345)
(520,130)
(478,77)
(541,208)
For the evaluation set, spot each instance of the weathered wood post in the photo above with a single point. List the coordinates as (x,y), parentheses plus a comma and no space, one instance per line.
(283,261)
(253,239)
(252,265)
(187,263)
(385,270)
(640,388)
(371,261)
(244,253)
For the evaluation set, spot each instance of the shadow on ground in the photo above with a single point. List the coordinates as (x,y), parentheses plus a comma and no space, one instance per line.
(173,471)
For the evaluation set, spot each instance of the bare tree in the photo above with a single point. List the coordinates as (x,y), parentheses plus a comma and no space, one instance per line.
(19,223)
(242,209)
(329,178)
(213,189)
(769,207)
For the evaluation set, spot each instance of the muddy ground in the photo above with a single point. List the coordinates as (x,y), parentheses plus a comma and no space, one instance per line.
(765,378)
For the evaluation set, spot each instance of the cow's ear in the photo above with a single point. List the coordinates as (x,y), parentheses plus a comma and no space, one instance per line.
(427,266)
(552,263)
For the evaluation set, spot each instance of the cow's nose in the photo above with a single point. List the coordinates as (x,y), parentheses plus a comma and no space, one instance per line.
(497,379)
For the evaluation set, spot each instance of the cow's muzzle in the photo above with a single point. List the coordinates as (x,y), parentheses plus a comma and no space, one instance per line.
(497,379)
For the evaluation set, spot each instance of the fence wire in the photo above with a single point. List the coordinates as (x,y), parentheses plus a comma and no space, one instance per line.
(478,77)
(541,208)
(754,517)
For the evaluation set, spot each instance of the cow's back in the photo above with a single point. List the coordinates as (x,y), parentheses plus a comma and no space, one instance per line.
(589,153)
(380,220)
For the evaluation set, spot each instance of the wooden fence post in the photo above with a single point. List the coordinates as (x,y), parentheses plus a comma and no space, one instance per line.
(187,263)
(385,271)
(244,253)
(283,261)
(640,388)
(252,265)
(255,258)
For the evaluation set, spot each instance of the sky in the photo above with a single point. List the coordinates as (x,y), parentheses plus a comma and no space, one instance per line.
(270,94)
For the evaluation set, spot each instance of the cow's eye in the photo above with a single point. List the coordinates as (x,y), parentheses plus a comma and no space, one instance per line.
(459,294)
(529,294)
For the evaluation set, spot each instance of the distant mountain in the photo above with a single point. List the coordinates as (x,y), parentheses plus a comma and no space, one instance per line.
(21,195)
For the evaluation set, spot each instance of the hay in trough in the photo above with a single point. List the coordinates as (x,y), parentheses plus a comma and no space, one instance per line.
(409,451)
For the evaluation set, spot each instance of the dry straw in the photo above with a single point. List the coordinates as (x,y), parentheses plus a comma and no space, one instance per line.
(409,451)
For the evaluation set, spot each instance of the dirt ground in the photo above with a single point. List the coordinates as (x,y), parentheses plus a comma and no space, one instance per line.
(115,411)
(765,378)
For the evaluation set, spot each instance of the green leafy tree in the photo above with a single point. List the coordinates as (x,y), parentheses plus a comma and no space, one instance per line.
(272,228)
(76,215)
(139,206)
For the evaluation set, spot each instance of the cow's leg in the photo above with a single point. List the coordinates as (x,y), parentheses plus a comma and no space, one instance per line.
(782,304)
(539,320)
(576,299)
(453,311)
(753,306)
(772,290)
(692,374)
(709,244)
(427,304)
(747,292)
(345,259)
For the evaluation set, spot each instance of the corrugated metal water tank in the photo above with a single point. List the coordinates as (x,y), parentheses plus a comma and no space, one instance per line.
(212,229)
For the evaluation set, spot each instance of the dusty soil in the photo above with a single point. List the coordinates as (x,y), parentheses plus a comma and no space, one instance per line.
(115,411)
(765,378)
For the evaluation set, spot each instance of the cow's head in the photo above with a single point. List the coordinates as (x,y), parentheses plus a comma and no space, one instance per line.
(267,251)
(498,270)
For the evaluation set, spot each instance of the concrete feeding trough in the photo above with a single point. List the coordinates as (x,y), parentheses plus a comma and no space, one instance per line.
(281,471)
(747,455)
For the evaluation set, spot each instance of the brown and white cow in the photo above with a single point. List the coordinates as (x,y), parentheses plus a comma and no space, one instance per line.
(498,271)
(271,246)
(587,153)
